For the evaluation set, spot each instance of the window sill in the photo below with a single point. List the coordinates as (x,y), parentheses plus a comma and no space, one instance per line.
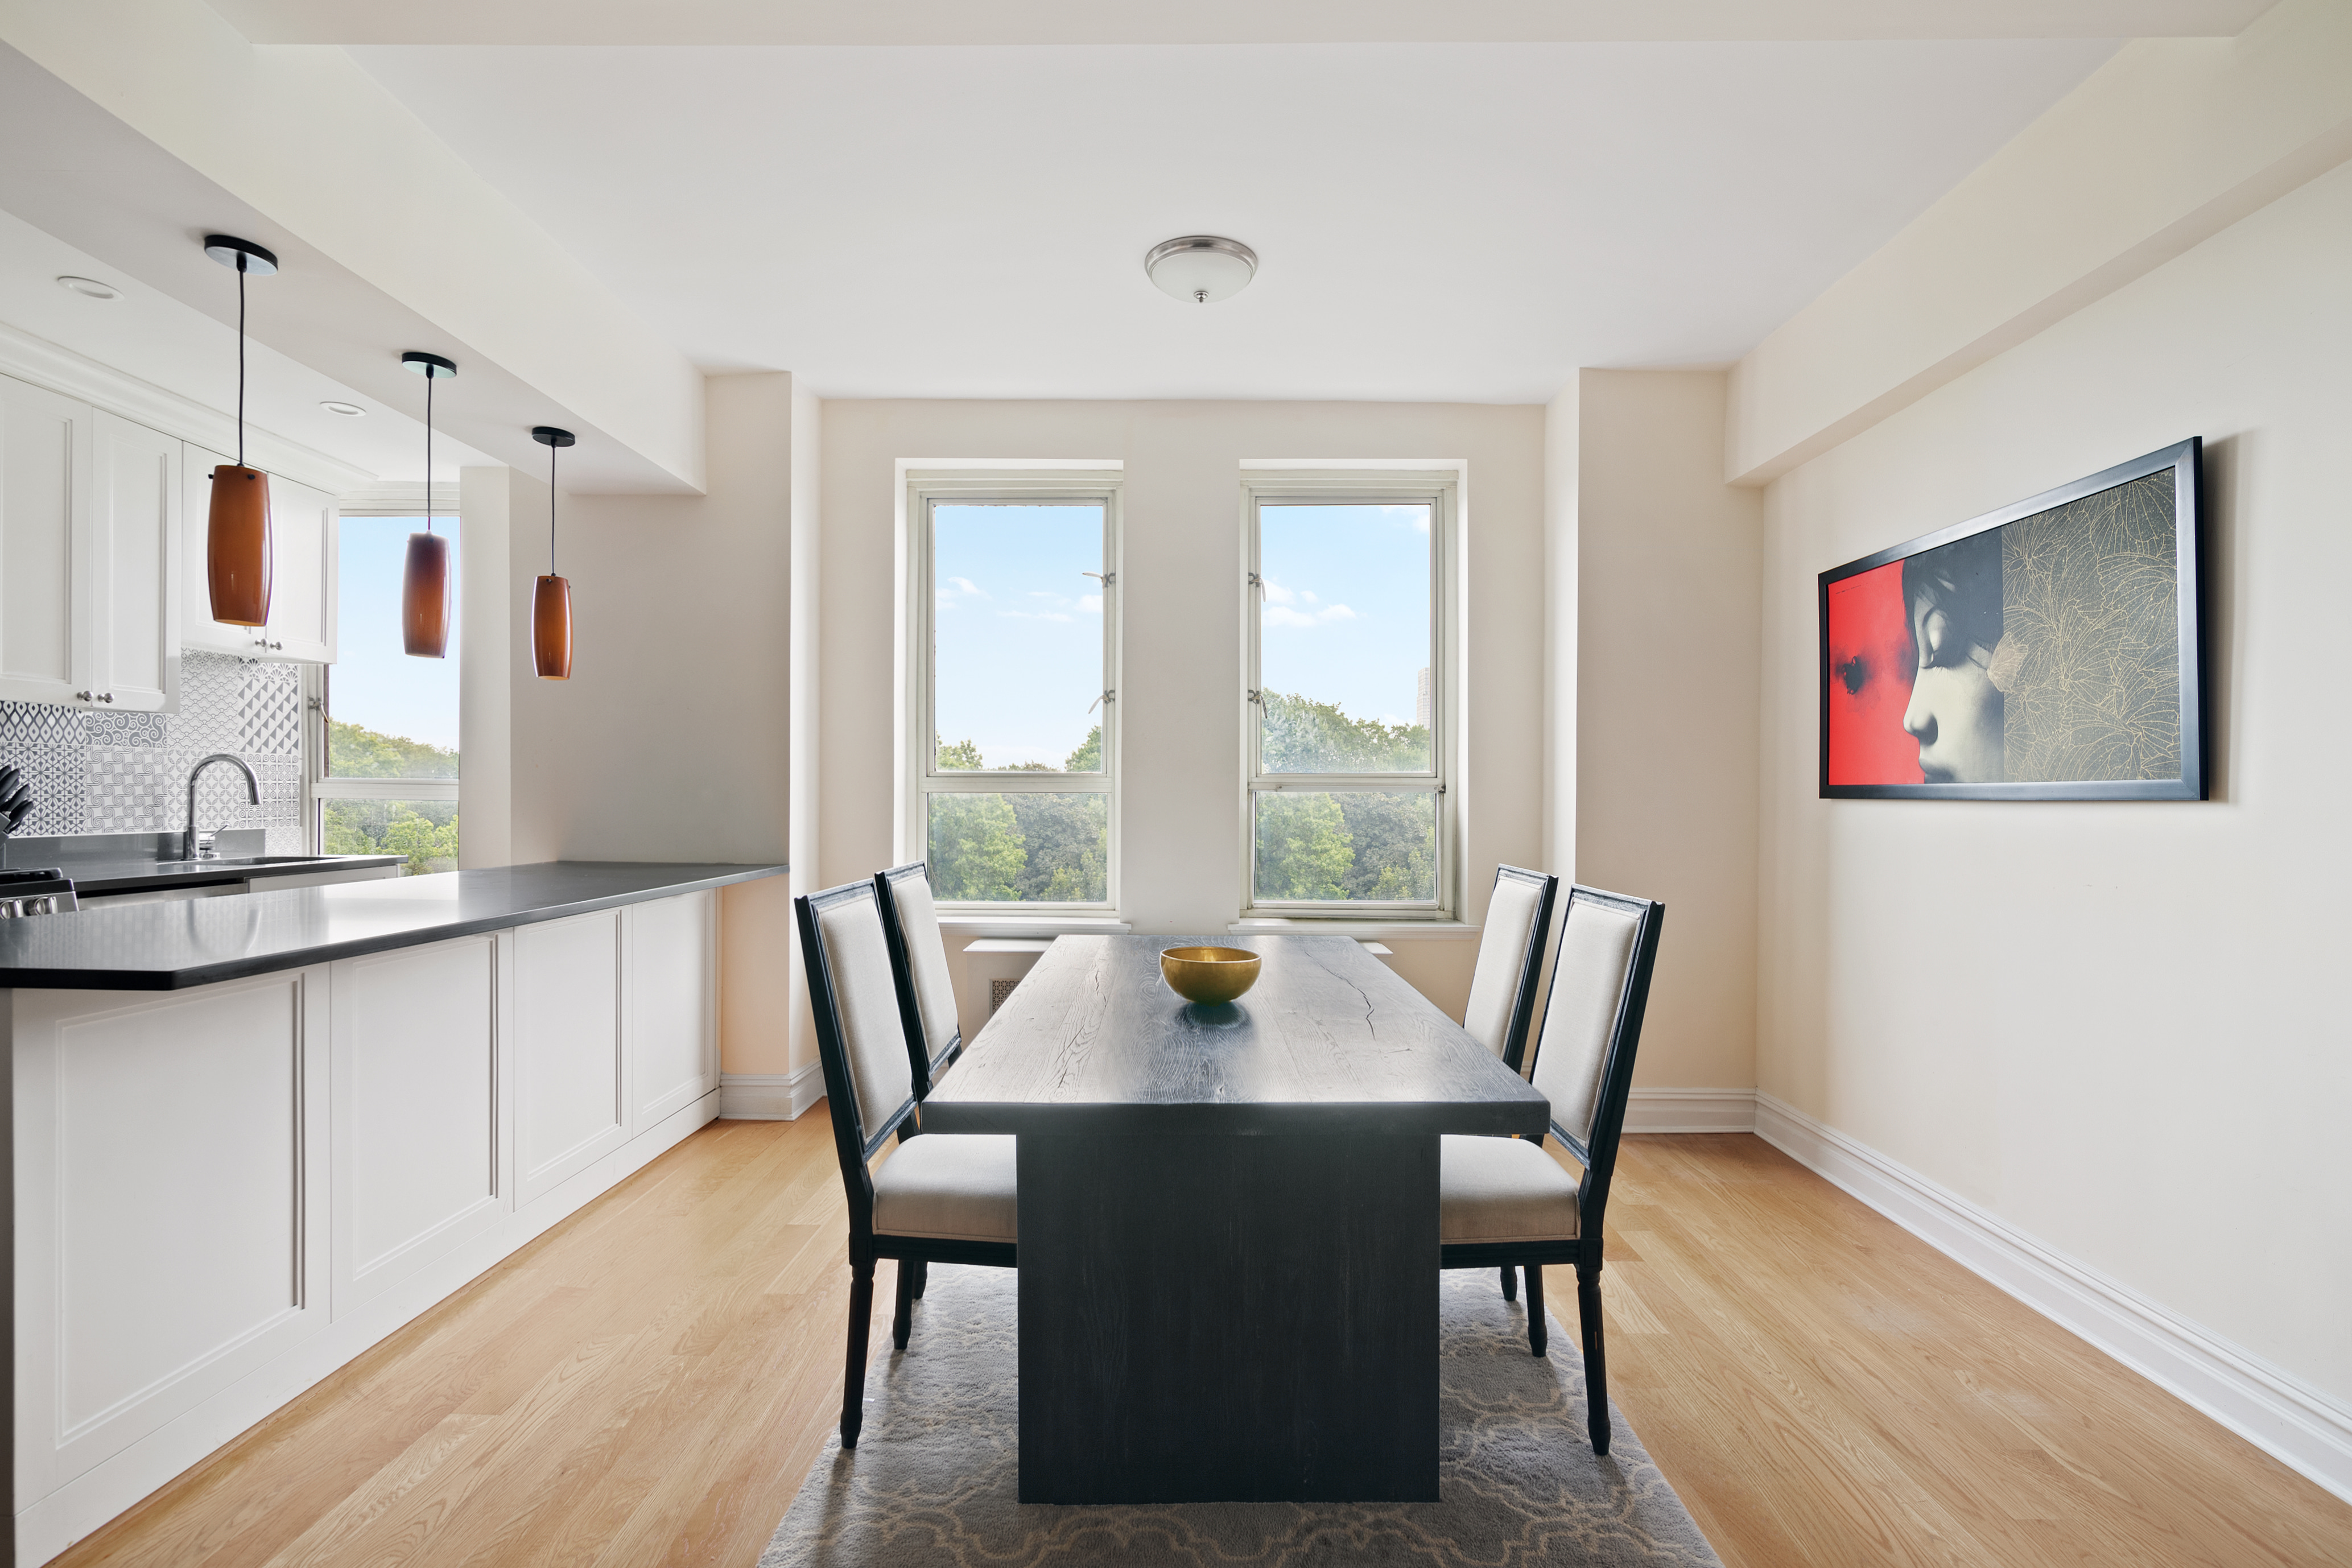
(1363,931)
(969,924)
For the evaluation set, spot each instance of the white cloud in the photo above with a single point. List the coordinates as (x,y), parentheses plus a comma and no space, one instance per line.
(956,588)
(1276,593)
(1090,604)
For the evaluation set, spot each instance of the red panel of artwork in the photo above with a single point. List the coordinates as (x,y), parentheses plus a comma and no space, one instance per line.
(1871,662)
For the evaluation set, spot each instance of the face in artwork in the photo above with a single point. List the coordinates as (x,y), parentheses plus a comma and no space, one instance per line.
(1956,712)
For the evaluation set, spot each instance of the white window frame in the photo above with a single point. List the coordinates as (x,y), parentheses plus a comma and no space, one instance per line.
(1441,489)
(921,775)
(318,786)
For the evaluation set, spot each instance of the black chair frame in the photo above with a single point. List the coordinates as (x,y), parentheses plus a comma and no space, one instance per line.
(855,1142)
(1515,1037)
(1600,1163)
(902,970)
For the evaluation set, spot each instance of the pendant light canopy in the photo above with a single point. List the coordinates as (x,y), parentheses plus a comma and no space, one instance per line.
(550,596)
(236,537)
(424,585)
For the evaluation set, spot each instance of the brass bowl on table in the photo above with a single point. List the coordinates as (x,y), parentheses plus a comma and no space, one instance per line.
(1208,975)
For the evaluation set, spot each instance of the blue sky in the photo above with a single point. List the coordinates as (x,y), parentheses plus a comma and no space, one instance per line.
(1346,614)
(1019,625)
(374,683)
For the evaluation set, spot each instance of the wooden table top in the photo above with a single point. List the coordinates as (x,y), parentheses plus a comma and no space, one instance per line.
(1328,1040)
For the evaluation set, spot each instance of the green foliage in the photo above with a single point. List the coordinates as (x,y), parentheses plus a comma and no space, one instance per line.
(1088,757)
(960,757)
(426,831)
(976,846)
(1302,736)
(1304,847)
(353,752)
(1021,848)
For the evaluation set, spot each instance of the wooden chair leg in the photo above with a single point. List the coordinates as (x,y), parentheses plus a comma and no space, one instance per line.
(853,1384)
(1510,1282)
(1596,1360)
(902,1321)
(922,1267)
(1538,1333)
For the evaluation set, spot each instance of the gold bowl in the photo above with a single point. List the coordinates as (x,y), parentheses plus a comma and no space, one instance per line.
(1208,974)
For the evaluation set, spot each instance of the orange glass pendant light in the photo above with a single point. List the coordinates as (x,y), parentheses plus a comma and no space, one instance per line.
(424,584)
(550,596)
(236,537)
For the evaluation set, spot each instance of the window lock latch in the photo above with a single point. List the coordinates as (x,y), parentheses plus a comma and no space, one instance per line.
(1257,581)
(1253,696)
(1104,578)
(1110,696)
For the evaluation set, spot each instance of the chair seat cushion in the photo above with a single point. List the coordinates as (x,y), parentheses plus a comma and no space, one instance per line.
(1502,1189)
(947,1187)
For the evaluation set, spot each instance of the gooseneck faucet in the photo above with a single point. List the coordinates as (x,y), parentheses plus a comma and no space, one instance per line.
(191,851)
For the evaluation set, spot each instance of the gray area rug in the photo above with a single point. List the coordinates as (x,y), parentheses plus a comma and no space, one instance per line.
(933,1480)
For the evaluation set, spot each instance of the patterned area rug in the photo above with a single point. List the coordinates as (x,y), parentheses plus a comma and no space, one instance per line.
(932,1480)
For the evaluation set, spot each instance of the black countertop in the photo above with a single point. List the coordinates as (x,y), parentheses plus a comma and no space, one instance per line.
(196,942)
(96,879)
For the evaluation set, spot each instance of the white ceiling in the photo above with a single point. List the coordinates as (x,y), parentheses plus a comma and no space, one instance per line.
(1436,221)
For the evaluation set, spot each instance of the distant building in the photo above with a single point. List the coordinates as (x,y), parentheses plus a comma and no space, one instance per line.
(1421,704)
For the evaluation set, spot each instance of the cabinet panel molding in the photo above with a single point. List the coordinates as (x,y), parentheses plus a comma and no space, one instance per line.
(45,501)
(135,537)
(671,991)
(570,1087)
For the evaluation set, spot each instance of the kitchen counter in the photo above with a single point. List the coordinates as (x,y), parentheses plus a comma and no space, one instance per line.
(108,865)
(170,946)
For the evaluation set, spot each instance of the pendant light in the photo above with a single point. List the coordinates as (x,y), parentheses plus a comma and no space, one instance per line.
(424,584)
(236,537)
(550,596)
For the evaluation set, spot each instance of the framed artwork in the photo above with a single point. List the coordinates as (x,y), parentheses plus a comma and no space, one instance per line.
(2051,650)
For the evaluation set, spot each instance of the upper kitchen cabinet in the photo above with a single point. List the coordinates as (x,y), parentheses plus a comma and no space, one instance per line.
(301,577)
(89,540)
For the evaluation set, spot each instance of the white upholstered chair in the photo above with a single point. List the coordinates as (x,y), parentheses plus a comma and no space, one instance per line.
(1505,1201)
(1510,955)
(919,963)
(944,1196)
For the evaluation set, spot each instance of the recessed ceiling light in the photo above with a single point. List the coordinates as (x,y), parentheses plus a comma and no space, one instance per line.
(1202,269)
(89,288)
(347,410)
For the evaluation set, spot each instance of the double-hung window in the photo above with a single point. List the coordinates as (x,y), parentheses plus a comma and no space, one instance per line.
(383,744)
(1012,741)
(1347,721)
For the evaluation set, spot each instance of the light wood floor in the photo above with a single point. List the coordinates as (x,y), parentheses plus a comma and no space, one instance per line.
(648,1384)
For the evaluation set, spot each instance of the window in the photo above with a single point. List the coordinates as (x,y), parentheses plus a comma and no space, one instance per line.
(1347,714)
(1013,738)
(383,768)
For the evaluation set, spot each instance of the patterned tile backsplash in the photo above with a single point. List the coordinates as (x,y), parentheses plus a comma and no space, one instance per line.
(128,773)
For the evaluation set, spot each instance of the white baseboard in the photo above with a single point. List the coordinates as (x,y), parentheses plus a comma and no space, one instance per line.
(770,1096)
(1691,1110)
(2302,1428)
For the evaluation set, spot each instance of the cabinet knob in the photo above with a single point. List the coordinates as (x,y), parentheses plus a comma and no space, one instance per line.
(105,696)
(83,697)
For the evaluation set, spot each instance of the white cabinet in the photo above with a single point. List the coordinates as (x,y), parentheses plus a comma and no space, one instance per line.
(670,1000)
(570,1079)
(89,543)
(301,573)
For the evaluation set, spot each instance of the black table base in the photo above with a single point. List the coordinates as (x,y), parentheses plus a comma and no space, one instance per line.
(1209,1317)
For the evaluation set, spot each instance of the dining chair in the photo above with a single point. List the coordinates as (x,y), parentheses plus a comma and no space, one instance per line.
(947,1197)
(1505,1201)
(1510,954)
(919,967)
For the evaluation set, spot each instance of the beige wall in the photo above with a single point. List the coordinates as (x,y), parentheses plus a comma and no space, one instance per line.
(670,741)
(1668,588)
(2117,1026)
(1181,608)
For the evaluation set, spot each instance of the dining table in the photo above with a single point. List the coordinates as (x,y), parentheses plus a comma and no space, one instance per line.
(1227,1218)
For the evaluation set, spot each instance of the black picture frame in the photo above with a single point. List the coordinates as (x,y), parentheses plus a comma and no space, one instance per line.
(2187,458)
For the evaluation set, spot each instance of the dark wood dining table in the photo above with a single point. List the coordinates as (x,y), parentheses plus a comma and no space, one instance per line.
(1228,1218)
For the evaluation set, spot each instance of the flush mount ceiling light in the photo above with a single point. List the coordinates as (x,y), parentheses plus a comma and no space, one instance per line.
(88,287)
(551,597)
(347,410)
(1200,267)
(425,583)
(237,533)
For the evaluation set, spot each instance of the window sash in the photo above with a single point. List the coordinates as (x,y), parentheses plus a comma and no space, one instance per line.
(1095,488)
(1437,492)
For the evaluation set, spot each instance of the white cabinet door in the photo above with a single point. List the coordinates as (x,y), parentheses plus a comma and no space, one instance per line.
(45,499)
(673,1005)
(302,571)
(134,633)
(414,1123)
(569,1085)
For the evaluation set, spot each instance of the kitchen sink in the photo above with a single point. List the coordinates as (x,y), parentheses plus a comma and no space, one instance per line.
(233,861)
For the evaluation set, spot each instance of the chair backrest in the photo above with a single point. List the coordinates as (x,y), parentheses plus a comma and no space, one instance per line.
(1511,956)
(919,963)
(1592,1025)
(869,1084)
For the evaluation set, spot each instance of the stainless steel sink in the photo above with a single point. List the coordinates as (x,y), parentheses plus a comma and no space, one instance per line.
(232,862)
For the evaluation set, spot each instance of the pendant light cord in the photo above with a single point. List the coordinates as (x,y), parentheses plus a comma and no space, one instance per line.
(550,509)
(240,359)
(430,377)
